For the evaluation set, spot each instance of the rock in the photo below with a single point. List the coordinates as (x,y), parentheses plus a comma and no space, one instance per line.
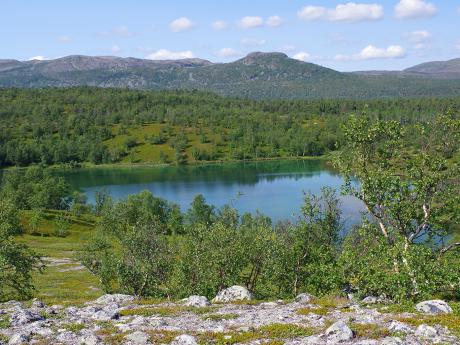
(18,339)
(392,341)
(339,332)
(197,301)
(184,339)
(38,304)
(370,300)
(23,317)
(426,331)
(138,338)
(434,307)
(115,298)
(397,326)
(66,337)
(90,339)
(232,294)
(304,298)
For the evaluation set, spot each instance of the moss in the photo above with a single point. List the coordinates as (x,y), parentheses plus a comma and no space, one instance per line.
(331,301)
(315,310)
(273,334)
(451,321)
(370,331)
(162,336)
(4,322)
(74,327)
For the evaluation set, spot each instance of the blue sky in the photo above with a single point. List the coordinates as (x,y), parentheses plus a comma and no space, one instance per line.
(360,35)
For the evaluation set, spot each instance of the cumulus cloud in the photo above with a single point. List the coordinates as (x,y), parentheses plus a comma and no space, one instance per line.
(220,25)
(372,52)
(406,9)
(165,54)
(116,49)
(274,21)
(350,12)
(63,39)
(252,42)
(38,58)
(251,22)
(181,24)
(227,52)
(302,56)
(419,36)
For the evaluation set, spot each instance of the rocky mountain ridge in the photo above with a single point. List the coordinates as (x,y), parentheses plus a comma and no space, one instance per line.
(258,75)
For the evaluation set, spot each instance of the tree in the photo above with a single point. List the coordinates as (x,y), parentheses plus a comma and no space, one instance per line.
(412,195)
(200,212)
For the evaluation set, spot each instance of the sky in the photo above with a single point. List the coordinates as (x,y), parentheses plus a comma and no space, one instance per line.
(346,36)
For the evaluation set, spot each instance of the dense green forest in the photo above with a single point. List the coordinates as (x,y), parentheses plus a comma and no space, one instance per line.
(78,125)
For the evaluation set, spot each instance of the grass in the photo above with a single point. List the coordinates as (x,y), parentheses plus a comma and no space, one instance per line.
(61,284)
(74,327)
(4,322)
(370,331)
(273,333)
(318,311)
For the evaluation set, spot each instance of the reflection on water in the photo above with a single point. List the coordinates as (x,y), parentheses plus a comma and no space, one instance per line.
(273,188)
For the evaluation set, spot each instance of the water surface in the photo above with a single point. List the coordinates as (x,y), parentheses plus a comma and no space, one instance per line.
(274,188)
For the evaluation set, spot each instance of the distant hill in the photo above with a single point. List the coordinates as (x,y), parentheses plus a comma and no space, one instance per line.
(258,75)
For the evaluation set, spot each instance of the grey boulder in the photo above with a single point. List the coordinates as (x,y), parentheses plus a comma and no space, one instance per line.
(434,307)
(197,301)
(184,339)
(339,332)
(232,294)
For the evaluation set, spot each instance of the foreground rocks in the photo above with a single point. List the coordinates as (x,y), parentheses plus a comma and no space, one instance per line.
(120,319)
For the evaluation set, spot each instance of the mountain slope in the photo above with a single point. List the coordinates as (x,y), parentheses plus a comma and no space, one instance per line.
(258,75)
(439,69)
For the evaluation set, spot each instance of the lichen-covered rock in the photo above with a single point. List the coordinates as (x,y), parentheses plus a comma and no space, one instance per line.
(115,298)
(23,317)
(196,301)
(397,326)
(18,339)
(369,300)
(304,298)
(232,294)
(137,338)
(184,339)
(426,331)
(434,307)
(339,332)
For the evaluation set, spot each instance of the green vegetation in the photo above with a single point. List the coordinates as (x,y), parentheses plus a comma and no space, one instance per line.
(405,172)
(94,126)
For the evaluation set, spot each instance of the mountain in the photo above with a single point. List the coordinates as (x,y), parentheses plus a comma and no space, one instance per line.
(258,75)
(437,69)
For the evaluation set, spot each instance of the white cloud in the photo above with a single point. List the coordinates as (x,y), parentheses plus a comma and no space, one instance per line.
(121,31)
(419,36)
(181,24)
(63,39)
(165,54)
(116,49)
(372,52)
(415,9)
(251,22)
(38,58)
(350,12)
(302,56)
(220,25)
(274,21)
(227,52)
(252,42)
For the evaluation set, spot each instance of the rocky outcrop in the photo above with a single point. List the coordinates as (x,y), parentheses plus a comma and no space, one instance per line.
(120,318)
(233,294)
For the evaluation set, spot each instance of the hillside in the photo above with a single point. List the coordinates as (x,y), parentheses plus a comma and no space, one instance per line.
(258,76)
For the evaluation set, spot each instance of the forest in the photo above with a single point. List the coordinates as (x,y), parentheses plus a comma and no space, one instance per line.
(74,126)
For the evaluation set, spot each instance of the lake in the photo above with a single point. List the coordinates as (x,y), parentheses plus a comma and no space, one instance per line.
(274,188)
